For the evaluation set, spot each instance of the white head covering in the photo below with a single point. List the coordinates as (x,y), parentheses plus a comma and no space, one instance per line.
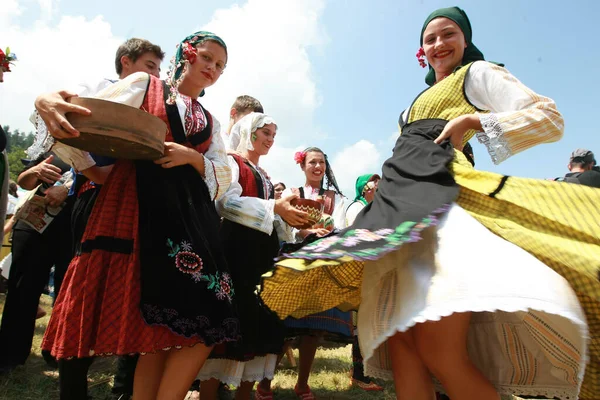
(240,139)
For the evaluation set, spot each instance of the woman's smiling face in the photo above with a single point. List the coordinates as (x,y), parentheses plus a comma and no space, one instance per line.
(444,45)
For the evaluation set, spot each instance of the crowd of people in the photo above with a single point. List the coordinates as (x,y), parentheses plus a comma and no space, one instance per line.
(199,273)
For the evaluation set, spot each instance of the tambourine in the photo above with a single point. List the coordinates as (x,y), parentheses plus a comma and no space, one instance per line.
(116,130)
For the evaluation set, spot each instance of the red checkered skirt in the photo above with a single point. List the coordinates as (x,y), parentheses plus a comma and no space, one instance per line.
(97,311)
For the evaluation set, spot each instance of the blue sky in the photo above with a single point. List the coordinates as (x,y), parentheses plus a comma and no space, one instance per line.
(358,67)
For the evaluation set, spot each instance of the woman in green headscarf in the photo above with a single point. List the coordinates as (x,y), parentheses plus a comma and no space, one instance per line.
(469,276)
(150,276)
(366,186)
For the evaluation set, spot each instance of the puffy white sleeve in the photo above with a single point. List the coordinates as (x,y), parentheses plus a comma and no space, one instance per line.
(518,117)
(339,212)
(217,172)
(129,91)
(252,212)
(352,211)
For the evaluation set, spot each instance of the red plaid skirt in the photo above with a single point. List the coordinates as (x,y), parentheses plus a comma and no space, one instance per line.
(97,311)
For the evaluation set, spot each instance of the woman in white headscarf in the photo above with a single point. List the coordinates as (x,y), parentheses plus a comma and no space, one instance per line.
(253,226)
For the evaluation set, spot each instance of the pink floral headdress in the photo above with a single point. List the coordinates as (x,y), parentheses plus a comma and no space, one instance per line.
(299,157)
(186,55)
(421,57)
(6,59)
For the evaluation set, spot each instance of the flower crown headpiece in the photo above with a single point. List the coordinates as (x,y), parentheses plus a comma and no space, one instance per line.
(299,157)
(6,59)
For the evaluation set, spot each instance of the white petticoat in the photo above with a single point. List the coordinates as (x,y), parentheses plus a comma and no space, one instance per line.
(234,372)
(528,335)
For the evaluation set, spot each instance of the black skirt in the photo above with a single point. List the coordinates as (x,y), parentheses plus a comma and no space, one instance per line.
(182,262)
(250,253)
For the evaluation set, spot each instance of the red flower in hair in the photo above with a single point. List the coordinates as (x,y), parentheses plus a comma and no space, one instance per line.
(421,57)
(299,157)
(189,52)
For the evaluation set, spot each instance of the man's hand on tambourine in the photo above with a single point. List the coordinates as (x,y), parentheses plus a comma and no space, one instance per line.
(53,108)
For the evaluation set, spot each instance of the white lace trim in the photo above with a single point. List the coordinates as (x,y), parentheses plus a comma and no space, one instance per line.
(503,390)
(233,372)
(210,178)
(43,141)
(493,138)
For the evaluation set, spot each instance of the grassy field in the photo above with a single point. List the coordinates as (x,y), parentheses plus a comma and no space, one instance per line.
(329,379)
(35,380)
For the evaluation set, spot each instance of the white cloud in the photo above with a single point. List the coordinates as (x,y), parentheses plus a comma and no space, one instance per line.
(360,158)
(268,43)
(51,57)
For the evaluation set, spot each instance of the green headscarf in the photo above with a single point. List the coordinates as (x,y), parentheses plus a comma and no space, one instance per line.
(178,61)
(457,15)
(361,182)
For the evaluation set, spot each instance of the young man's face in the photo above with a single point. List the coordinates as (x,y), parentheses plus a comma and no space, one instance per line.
(147,62)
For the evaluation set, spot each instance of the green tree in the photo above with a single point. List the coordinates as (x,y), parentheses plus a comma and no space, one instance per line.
(17,143)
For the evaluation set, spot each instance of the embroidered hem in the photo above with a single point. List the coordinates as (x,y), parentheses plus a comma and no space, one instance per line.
(199,326)
(407,232)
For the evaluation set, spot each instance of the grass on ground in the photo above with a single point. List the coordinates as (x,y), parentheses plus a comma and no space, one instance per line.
(35,380)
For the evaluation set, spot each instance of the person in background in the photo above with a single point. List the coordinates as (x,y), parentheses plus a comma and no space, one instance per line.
(134,55)
(242,106)
(279,188)
(366,186)
(33,255)
(583,169)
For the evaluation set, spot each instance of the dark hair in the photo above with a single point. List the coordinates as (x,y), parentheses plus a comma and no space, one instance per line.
(328,171)
(280,183)
(245,103)
(581,164)
(12,188)
(134,48)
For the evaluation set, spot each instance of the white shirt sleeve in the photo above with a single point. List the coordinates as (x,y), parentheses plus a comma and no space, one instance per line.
(217,172)
(352,211)
(518,118)
(339,212)
(252,212)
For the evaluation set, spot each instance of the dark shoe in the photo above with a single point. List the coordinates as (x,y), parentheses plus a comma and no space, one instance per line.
(50,360)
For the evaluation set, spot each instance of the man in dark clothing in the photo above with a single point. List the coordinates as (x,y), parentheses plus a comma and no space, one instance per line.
(582,165)
(33,255)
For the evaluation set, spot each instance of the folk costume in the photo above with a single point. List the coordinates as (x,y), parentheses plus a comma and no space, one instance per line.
(531,270)
(151,273)
(335,324)
(250,233)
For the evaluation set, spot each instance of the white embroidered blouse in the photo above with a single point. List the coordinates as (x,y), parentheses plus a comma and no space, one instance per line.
(253,212)
(518,117)
(131,91)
